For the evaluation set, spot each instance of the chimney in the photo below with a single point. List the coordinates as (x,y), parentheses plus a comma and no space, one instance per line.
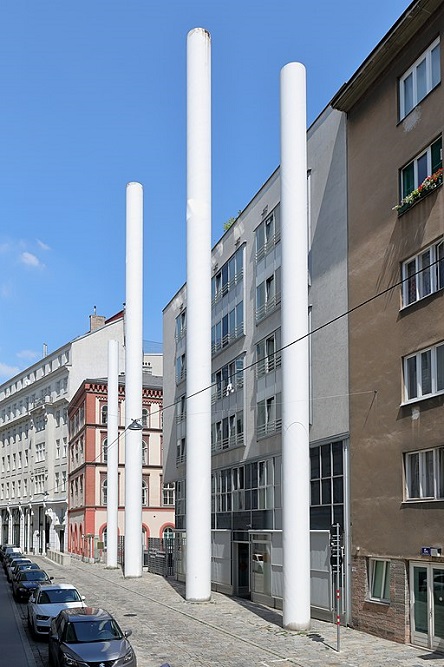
(96,321)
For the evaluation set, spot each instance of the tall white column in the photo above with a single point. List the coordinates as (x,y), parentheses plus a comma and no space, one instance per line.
(133,380)
(112,459)
(295,360)
(198,316)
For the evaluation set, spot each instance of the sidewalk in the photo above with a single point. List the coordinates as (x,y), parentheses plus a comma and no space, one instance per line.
(226,632)
(14,646)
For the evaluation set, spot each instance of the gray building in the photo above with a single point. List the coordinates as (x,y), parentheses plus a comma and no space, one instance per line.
(247,383)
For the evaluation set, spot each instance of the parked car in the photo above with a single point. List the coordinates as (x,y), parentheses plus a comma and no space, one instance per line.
(24,566)
(89,636)
(26,582)
(3,548)
(47,601)
(10,553)
(12,565)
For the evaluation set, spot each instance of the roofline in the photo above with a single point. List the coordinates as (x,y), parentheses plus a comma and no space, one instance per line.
(408,24)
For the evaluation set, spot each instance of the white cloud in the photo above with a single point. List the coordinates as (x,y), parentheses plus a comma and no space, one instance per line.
(8,371)
(27,354)
(31,260)
(42,245)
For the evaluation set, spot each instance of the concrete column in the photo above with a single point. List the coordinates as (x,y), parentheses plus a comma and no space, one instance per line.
(133,380)
(295,360)
(112,465)
(198,318)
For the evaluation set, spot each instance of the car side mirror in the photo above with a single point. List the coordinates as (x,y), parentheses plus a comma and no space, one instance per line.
(82,597)
(51,578)
(128,633)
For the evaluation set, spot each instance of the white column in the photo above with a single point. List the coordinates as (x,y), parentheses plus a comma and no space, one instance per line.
(198,314)
(112,460)
(133,380)
(295,364)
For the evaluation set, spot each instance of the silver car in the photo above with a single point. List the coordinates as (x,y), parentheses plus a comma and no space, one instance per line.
(48,601)
(89,637)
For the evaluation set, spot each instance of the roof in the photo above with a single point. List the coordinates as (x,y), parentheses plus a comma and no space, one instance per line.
(408,24)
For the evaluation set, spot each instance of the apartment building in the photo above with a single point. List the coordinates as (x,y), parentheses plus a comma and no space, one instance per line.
(87,466)
(34,436)
(247,384)
(394,105)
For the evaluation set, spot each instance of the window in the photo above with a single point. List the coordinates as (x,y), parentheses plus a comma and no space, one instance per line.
(180,326)
(424,474)
(105,450)
(268,295)
(424,373)
(423,165)
(379,579)
(144,453)
(267,235)
(268,354)
(146,417)
(420,79)
(104,414)
(228,379)
(228,276)
(228,329)
(326,485)
(423,274)
(144,494)
(104,492)
(168,494)
(180,368)
(180,450)
(268,418)
(228,432)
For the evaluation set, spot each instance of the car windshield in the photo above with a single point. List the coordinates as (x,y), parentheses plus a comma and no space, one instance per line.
(57,596)
(33,575)
(92,631)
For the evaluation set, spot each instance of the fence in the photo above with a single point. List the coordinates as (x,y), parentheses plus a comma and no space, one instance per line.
(157,558)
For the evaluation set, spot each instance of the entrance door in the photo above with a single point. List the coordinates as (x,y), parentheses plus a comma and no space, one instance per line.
(241,562)
(427,605)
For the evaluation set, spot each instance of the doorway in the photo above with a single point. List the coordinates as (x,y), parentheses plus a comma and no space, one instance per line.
(427,605)
(241,562)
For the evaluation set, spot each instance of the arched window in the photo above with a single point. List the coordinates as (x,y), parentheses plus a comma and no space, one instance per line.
(144,453)
(105,450)
(144,494)
(104,537)
(104,492)
(104,414)
(145,417)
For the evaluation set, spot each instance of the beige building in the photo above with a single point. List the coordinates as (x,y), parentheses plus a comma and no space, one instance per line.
(394,105)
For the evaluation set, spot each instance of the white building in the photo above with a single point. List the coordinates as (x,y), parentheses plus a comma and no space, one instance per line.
(246,437)
(34,436)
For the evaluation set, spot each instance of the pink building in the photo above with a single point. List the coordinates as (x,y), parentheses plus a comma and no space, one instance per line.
(87,467)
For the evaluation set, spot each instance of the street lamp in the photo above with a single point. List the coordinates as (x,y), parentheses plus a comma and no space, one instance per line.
(135,425)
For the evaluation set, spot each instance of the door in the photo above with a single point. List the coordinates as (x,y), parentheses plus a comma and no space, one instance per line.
(241,561)
(427,605)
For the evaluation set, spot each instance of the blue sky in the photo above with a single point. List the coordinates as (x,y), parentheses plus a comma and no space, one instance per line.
(94,96)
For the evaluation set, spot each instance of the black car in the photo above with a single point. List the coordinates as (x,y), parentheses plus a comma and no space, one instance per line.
(22,567)
(89,637)
(26,582)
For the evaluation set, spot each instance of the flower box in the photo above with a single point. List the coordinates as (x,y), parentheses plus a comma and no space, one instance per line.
(428,185)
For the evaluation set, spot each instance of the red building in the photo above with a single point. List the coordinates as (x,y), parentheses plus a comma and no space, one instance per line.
(87,467)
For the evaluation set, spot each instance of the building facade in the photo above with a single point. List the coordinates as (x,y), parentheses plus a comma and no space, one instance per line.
(87,467)
(247,384)
(34,437)
(394,105)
